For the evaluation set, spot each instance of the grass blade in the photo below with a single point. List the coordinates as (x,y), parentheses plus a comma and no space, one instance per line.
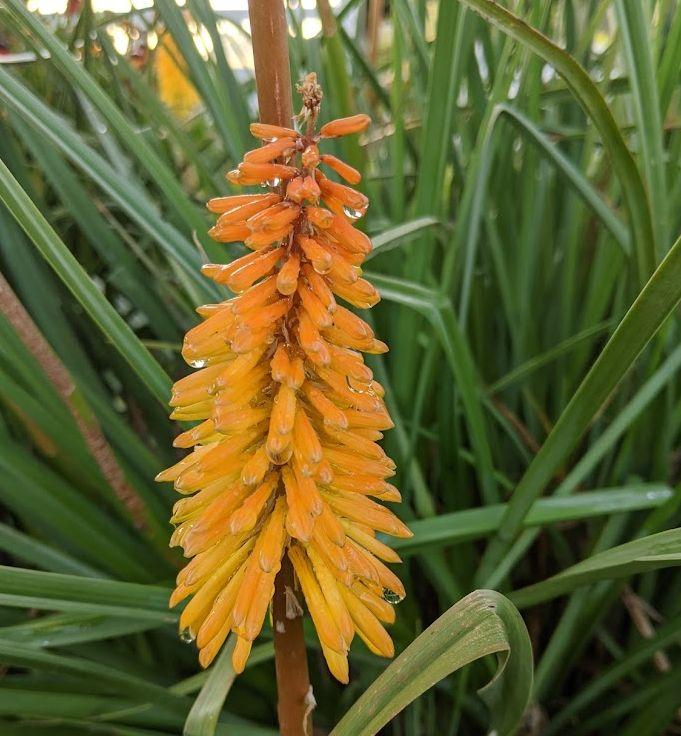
(72,274)
(591,99)
(648,553)
(651,308)
(203,716)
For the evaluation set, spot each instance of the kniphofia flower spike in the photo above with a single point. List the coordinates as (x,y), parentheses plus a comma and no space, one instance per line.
(285,458)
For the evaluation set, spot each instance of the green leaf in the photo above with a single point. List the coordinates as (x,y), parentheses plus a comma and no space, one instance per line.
(26,548)
(646,315)
(595,106)
(72,274)
(668,634)
(482,623)
(66,629)
(438,310)
(132,197)
(77,75)
(212,94)
(461,526)
(648,553)
(399,235)
(56,592)
(20,655)
(203,716)
(573,175)
(634,27)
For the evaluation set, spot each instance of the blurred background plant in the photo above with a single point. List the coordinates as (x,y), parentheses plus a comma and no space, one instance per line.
(512,228)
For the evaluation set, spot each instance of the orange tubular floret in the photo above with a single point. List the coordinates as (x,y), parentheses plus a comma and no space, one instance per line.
(285,459)
(264,131)
(347,172)
(345,126)
(266,154)
(224,204)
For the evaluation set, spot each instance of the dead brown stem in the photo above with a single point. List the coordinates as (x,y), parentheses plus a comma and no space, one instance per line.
(57,373)
(269,33)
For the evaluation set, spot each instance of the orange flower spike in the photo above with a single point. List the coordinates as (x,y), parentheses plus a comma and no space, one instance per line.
(284,457)
(229,233)
(264,172)
(249,273)
(355,202)
(287,279)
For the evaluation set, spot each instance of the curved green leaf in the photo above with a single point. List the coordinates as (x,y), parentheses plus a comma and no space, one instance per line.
(400,234)
(634,27)
(461,526)
(482,623)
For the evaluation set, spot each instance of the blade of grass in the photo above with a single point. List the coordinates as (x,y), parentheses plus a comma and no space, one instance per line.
(654,304)
(27,549)
(72,274)
(57,592)
(203,716)
(76,74)
(593,103)
(440,314)
(634,29)
(668,634)
(128,194)
(648,553)
(461,526)
(400,235)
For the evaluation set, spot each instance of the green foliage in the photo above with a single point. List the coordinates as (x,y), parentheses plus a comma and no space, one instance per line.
(524,178)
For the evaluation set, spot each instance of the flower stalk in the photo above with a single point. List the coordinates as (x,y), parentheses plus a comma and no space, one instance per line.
(269,34)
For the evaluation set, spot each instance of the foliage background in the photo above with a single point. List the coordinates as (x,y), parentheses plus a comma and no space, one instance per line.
(519,205)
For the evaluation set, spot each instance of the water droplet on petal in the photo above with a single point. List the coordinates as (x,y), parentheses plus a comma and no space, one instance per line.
(391,596)
(321,267)
(198,363)
(187,636)
(353,214)
(274,182)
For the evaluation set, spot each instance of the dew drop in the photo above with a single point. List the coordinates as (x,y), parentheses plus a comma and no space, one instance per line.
(355,390)
(187,636)
(391,596)
(321,267)
(351,213)
(198,363)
